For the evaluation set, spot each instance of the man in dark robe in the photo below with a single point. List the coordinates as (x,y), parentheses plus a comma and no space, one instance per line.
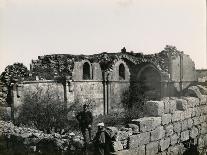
(85,119)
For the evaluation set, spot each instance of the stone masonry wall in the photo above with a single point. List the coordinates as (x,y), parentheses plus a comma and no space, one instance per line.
(167,125)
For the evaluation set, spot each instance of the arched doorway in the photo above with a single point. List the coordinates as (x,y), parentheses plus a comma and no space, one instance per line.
(149,79)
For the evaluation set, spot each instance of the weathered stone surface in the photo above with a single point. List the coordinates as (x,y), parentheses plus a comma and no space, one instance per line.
(193,91)
(181,104)
(176,116)
(194,132)
(203,128)
(192,101)
(184,125)
(202,89)
(169,130)
(174,150)
(154,108)
(147,123)
(157,134)
(196,120)
(177,127)
(139,139)
(112,131)
(202,118)
(166,105)
(138,151)
(187,113)
(134,127)
(203,99)
(166,119)
(117,146)
(203,110)
(172,104)
(164,144)
(201,143)
(190,123)
(184,135)
(152,148)
(174,139)
(122,135)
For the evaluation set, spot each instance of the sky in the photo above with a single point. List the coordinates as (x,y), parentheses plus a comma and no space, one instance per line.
(29,28)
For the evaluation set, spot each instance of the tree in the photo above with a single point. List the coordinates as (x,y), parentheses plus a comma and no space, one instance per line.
(12,74)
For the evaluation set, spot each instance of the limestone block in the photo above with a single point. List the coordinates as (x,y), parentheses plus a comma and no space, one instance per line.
(157,134)
(174,150)
(192,101)
(166,106)
(122,135)
(147,123)
(197,111)
(181,104)
(184,125)
(154,108)
(134,127)
(194,132)
(172,104)
(164,144)
(184,135)
(203,128)
(174,139)
(202,89)
(203,110)
(176,116)
(138,151)
(203,99)
(138,140)
(187,113)
(166,119)
(202,118)
(169,130)
(117,146)
(190,123)
(177,127)
(201,143)
(196,120)
(152,148)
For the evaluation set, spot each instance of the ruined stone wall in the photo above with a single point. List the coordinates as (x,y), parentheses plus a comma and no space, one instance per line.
(167,126)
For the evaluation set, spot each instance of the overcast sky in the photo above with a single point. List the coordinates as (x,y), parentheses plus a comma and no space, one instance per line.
(29,28)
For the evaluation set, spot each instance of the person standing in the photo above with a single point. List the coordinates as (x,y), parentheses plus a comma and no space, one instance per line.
(100,141)
(85,119)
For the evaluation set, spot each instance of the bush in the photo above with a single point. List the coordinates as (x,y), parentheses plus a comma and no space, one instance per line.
(43,110)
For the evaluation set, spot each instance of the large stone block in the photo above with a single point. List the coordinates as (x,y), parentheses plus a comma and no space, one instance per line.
(181,104)
(184,135)
(139,140)
(123,135)
(196,120)
(203,99)
(154,108)
(203,129)
(177,127)
(176,116)
(184,125)
(157,134)
(192,101)
(194,132)
(134,127)
(169,130)
(166,105)
(203,110)
(117,146)
(174,139)
(166,119)
(147,123)
(164,144)
(138,151)
(172,104)
(152,148)
(190,123)
(187,113)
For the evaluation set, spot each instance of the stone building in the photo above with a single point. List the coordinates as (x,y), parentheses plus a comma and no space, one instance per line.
(107,77)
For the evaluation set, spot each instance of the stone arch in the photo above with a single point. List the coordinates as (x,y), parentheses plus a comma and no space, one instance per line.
(149,79)
(87,71)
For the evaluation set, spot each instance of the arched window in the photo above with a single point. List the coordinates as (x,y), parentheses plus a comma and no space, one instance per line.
(86,71)
(121,72)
